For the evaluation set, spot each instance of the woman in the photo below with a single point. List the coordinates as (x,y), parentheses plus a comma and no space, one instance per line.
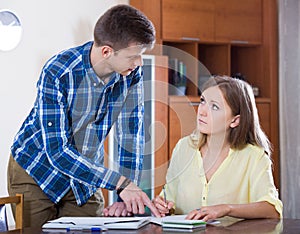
(224,168)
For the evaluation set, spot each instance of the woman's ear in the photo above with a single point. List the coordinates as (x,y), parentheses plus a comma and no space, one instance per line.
(235,121)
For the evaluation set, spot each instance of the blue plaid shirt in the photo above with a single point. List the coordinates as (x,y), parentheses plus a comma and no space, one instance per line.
(60,144)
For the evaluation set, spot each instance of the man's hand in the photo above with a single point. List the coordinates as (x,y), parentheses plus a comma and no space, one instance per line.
(136,200)
(117,209)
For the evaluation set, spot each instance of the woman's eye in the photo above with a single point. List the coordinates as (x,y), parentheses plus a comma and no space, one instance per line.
(202,100)
(215,107)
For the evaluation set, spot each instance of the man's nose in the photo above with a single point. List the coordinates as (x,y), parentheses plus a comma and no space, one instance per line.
(138,61)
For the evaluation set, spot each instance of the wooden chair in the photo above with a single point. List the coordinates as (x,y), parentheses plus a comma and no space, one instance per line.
(18,200)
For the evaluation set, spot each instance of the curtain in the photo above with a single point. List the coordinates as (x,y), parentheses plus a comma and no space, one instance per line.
(289,105)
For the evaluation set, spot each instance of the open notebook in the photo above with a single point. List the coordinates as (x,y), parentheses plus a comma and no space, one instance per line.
(95,223)
(133,223)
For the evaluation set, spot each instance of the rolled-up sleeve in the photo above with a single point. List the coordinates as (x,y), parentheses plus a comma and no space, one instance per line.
(262,184)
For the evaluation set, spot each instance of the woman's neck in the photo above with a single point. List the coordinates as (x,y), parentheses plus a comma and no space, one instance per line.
(213,153)
(217,142)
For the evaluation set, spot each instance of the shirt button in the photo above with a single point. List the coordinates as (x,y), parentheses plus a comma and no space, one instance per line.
(85,148)
(95,84)
(49,124)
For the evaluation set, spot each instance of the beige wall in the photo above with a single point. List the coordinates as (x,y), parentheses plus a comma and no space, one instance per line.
(48,27)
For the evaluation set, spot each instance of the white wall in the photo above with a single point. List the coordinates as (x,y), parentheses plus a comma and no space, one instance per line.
(48,27)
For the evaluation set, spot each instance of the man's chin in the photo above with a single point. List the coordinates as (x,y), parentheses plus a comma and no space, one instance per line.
(126,73)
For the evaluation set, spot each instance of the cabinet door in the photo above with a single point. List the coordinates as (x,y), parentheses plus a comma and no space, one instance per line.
(105,191)
(239,21)
(188,20)
(161,122)
(182,118)
(264,117)
(152,10)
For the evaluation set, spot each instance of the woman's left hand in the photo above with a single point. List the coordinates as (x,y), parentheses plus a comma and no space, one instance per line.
(207,213)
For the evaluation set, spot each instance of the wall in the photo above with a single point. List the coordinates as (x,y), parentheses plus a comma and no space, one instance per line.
(48,27)
(289,85)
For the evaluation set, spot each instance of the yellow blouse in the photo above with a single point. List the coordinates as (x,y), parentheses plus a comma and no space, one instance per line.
(245,176)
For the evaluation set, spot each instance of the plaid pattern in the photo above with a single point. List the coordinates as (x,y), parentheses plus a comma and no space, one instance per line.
(60,144)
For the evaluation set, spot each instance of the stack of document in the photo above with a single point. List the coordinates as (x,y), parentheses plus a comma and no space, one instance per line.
(179,223)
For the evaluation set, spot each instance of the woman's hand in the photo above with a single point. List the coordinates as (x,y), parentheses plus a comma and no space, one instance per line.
(162,206)
(207,213)
(254,210)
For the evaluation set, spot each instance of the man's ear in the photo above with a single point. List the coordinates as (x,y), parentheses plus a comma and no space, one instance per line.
(106,51)
(235,121)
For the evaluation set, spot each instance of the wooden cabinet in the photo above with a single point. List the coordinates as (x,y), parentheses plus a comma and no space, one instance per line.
(161,143)
(222,37)
(152,10)
(208,21)
(182,118)
(188,20)
(238,21)
(205,59)
(248,60)
(263,107)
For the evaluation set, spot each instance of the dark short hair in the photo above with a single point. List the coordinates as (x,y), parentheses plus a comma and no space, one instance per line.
(121,25)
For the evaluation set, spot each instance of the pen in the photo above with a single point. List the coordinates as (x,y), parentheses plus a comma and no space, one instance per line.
(165,196)
(171,211)
(86,229)
(94,229)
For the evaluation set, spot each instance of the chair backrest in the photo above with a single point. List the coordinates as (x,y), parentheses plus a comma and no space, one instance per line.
(18,200)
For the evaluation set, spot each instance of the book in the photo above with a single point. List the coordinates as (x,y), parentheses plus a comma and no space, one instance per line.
(95,223)
(181,230)
(177,77)
(128,224)
(179,221)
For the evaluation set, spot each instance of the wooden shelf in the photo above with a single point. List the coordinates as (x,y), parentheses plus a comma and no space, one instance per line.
(222,37)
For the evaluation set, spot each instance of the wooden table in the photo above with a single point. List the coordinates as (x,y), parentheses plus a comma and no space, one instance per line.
(289,226)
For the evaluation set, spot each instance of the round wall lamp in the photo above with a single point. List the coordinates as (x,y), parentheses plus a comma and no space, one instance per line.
(10,30)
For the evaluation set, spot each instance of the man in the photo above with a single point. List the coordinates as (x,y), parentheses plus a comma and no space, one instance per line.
(57,155)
